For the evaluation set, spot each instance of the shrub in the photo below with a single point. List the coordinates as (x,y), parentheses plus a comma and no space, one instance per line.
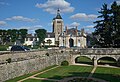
(3,48)
(9,60)
(47,54)
(64,63)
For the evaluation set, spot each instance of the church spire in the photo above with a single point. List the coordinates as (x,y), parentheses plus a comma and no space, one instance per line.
(58,14)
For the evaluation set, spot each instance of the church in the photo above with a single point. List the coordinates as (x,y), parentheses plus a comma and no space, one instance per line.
(65,38)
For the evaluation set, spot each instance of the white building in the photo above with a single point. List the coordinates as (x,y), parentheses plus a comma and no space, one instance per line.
(31,40)
(68,38)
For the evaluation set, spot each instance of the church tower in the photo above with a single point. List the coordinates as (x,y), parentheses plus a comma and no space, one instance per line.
(57,26)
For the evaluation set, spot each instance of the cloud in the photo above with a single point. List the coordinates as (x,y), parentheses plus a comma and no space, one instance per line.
(52,5)
(21,18)
(31,29)
(74,24)
(118,2)
(89,26)
(3,3)
(84,17)
(2,23)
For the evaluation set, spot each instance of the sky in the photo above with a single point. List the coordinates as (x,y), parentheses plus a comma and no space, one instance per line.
(37,14)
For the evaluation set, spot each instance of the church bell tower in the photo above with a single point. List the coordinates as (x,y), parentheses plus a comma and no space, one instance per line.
(57,25)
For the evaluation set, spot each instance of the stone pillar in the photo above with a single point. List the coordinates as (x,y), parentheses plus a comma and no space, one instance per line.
(95,61)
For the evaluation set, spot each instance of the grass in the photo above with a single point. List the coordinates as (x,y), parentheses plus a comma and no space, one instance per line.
(27,75)
(84,60)
(66,71)
(36,80)
(108,74)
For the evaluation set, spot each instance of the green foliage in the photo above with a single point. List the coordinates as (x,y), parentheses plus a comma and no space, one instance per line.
(64,63)
(107,30)
(3,47)
(22,33)
(41,34)
(9,60)
(49,41)
(11,35)
(47,54)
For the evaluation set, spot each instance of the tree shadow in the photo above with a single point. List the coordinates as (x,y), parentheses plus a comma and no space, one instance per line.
(106,77)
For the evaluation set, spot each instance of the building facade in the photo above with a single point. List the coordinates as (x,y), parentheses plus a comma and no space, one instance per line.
(65,38)
(31,40)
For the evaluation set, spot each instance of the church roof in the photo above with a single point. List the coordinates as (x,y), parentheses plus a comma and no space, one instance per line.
(58,15)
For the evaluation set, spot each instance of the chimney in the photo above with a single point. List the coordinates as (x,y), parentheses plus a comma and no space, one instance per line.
(76,30)
(66,29)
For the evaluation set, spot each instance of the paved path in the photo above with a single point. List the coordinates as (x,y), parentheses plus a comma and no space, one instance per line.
(92,72)
(36,74)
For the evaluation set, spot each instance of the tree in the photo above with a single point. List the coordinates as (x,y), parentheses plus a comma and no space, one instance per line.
(49,42)
(103,28)
(108,28)
(22,34)
(41,34)
(115,11)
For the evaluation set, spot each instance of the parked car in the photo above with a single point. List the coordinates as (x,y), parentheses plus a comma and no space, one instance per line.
(19,48)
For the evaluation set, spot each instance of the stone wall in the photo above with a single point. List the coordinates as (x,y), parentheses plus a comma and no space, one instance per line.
(32,61)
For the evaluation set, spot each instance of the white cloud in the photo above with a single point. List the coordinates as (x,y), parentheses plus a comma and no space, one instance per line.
(21,18)
(89,26)
(84,17)
(4,3)
(52,5)
(118,2)
(31,29)
(74,24)
(2,23)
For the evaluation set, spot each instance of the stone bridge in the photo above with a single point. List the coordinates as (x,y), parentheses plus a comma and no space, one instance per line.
(96,54)
(21,63)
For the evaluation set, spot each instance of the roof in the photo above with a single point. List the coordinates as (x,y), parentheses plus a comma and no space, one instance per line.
(31,36)
(58,15)
(50,35)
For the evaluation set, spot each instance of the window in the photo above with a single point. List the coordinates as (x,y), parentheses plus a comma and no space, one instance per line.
(31,39)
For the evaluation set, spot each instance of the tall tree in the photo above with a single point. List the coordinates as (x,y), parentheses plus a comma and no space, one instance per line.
(103,28)
(22,34)
(41,34)
(115,11)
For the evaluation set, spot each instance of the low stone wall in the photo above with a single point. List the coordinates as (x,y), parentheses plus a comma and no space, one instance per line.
(37,61)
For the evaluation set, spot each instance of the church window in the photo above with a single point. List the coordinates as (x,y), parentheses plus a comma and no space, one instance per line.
(58,21)
(79,41)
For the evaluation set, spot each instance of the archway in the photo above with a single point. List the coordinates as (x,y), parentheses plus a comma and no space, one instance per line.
(83,60)
(71,42)
(107,61)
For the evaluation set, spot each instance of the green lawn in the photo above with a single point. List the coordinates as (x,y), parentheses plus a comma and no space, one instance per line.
(66,71)
(27,75)
(108,74)
(84,60)
(35,80)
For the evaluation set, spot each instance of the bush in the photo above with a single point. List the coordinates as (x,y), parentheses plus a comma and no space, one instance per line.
(3,48)
(64,63)
(47,54)
(9,60)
